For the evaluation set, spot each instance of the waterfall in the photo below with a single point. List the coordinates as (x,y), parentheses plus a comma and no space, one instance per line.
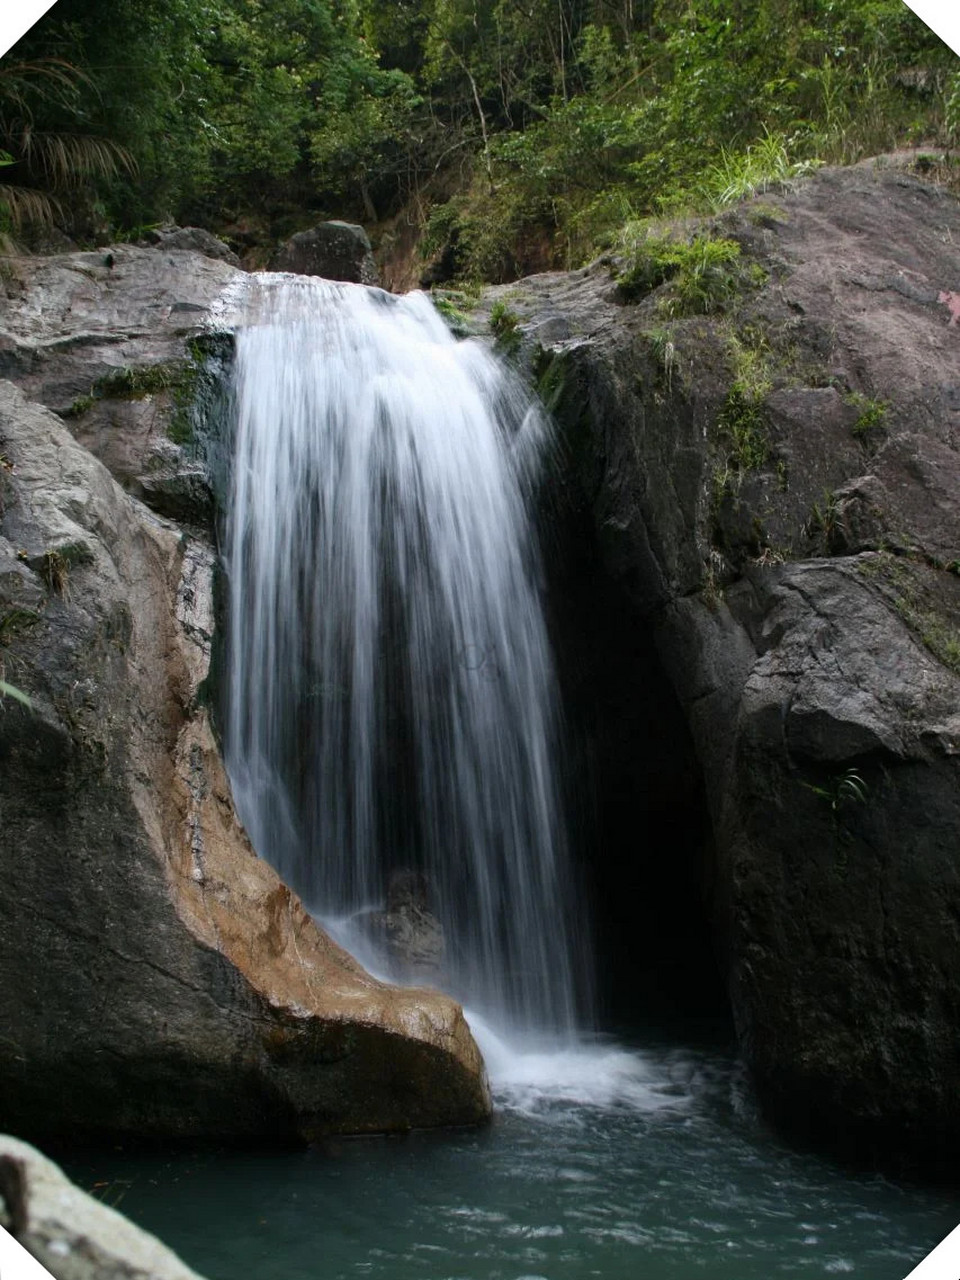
(391,694)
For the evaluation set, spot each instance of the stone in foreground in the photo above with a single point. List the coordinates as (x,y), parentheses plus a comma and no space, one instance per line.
(70,1233)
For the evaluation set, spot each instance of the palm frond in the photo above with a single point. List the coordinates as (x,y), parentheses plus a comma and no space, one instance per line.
(66,159)
(24,205)
(52,79)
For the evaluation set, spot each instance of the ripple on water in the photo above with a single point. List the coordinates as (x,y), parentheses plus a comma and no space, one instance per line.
(628,1166)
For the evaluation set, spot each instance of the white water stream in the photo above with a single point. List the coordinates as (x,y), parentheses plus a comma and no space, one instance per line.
(393,705)
(392,697)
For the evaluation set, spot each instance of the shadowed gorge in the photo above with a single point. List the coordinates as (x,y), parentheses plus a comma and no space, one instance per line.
(640,824)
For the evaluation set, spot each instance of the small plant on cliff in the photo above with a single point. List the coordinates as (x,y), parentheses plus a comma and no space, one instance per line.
(742,421)
(826,521)
(743,424)
(664,351)
(505,324)
(702,273)
(871,415)
(844,789)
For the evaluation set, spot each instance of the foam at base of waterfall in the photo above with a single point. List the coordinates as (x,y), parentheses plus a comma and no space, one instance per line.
(543,1075)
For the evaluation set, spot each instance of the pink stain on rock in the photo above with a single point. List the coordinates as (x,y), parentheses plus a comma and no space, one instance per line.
(952,302)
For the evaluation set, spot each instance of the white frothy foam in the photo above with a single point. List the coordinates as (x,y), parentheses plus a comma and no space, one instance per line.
(541,1076)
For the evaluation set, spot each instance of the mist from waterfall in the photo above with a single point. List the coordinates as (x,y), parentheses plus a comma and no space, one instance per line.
(391,697)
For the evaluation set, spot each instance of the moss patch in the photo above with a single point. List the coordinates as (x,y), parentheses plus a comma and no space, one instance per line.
(869,426)
(505,324)
(177,379)
(925,597)
(454,306)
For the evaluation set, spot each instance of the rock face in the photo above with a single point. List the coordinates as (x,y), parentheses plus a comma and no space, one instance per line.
(157,977)
(116,342)
(406,930)
(192,240)
(70,1233)
(334,250)
(775,488)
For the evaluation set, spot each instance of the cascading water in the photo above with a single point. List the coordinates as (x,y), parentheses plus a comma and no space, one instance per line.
(392,704)
(392,699)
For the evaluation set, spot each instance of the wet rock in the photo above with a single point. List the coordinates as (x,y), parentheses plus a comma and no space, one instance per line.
(333,250)
(407,931)
(157,979)
(794,553)
(70,1233)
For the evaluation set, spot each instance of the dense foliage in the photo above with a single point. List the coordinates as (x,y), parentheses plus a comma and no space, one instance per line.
(230,107)
(520,132)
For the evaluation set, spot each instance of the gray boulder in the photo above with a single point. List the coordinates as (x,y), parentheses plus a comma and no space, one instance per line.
(70,1233)
(192,240)
(334,250)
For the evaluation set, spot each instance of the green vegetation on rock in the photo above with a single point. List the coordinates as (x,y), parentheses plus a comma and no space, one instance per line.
(703,273)
(178,379)
(910,584)
(871,415)
(505,324)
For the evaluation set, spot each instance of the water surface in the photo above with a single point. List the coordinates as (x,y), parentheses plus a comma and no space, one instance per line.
(611,1161)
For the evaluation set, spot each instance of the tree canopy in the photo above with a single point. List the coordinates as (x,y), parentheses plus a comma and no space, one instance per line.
(520,131)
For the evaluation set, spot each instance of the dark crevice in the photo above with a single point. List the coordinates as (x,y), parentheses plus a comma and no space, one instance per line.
(641,830)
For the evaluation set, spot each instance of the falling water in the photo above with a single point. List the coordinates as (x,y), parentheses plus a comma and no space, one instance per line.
(392,696)
(392,704)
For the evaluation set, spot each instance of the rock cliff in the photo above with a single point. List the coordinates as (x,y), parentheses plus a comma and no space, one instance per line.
(771,475)
(158,978)
(761,449)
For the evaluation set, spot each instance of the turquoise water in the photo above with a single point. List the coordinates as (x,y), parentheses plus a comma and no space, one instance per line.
(607,1161)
